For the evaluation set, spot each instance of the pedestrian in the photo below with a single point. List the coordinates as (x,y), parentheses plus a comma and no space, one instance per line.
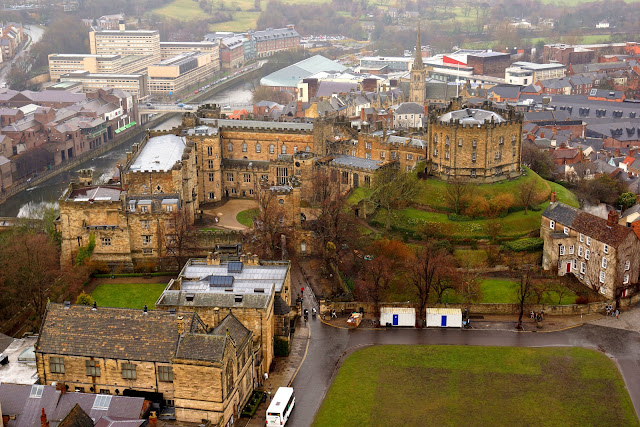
(532,315)
(617,313)
(266,376)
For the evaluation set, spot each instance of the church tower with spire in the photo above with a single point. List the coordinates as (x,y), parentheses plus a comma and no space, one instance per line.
(418,83)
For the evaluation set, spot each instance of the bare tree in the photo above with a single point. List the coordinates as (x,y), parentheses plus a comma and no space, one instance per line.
(335,222)
(524,292)
(528,190)
(428,268)
(269,225)
(469,286)
(456,193)
(391,188)
(179,237)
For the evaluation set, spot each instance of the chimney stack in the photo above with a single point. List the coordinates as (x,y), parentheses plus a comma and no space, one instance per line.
(632,151)
(43,419)
(216,316)
(554,197)
(616,152)
(209,258)
(613,219)
(180,321)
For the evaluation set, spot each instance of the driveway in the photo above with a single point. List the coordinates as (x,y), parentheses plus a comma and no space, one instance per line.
(328,346)
(227,213)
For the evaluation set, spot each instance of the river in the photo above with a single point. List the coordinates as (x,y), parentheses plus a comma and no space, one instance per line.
(47,193)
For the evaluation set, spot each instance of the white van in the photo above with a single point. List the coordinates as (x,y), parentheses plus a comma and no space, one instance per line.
(280,407)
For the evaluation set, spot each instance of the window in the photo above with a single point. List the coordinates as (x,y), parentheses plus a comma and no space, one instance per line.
(602,276)
(247,177)
(580,251)
(501,140)
(581,237)
(272,149)
(169,208)
(604,263)
(513,152)
(56,365)
(627,265)
(211,177)
(606,249)
(93,368)
(146,240)
(473,157)
(446,141)
(345,177)
(103,400)
(587,254)
(244,147)
(474,143)
(435,152)
(409,156)
(283,149)
(210,164)
(446,154)
(230,147)
(393,155)
(367,145)
(552,224)
(128,371)
(561,249)
(435,138)
(583,268)
(367,156)
(566,230)
(473,173)
(144,208)
(234,191)
(258,148)
(210,151)
(625,279)
(382,154)
(106,241)
(459,142)
(165,373)
(574,265)
(588,241)
(36,391)
(145,223)
(229,176)
(571,249)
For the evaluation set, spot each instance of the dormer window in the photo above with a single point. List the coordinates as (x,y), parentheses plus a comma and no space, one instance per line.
(552,224)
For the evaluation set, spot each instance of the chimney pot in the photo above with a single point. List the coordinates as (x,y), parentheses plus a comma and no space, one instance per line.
(612,219)
(554,197)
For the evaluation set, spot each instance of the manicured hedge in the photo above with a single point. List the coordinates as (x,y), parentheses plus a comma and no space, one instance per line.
(530,244)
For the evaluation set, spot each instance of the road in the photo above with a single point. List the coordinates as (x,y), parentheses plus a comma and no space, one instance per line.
(35,33)
(329,345)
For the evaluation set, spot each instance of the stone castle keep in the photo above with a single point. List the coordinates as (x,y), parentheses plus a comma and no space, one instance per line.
(207,159)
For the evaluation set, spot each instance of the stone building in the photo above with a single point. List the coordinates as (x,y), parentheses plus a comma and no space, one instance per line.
(601,254)
(172,358)
(478,145)
(134,222)
(248,288)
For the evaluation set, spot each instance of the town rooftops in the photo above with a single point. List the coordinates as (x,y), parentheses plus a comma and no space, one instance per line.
(537,67)
(471,116)
(159,154)
(587,224)
(22,401)
(291,75)
(113,333)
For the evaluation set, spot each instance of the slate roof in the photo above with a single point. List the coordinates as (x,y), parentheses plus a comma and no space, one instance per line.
(112,333)
(355,162)
(506,91)
(328,88)
(202,347)
(237,331)
(587,224)
(410,108)
(118,422)
(76,418)
(280,307)
(209,299)
(5,341)
(291,75)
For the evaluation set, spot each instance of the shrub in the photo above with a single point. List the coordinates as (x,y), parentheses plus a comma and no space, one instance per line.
(477,207)
(530,244)
(84,299)
(501,203)
(85,251)
(581,299)
(281,347)
(456,217)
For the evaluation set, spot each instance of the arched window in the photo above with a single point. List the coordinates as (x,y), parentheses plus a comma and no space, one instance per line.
(272,149)
(283,149)
(307,149)
(446,140)
(230,146)
(435,138)
(258,148)
(229,377)
(244,147)
(295,148)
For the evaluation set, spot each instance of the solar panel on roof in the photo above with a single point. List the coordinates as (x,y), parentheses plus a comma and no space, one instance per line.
(234,267)
(220,281)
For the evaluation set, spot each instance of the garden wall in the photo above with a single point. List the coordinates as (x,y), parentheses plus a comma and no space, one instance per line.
(554,310)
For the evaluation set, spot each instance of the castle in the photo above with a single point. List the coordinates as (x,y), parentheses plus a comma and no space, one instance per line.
(208,159)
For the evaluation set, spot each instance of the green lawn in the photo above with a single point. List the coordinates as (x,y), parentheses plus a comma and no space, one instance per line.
(128,295)
(246,217)
(475,257)
(503,291)
(461,385)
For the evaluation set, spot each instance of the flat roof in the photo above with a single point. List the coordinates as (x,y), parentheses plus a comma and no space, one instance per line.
(179,59)
(195,277)
(535,66)
(188,44)
(98,193)
(83,55)
(86,74)
(159,154)
(18,372)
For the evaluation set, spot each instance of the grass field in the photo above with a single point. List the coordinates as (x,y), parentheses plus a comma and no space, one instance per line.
(461,385)
(503,291)
(432,194)
(128,295)
(246,217)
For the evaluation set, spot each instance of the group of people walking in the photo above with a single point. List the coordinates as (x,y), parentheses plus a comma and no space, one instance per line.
(612,312)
